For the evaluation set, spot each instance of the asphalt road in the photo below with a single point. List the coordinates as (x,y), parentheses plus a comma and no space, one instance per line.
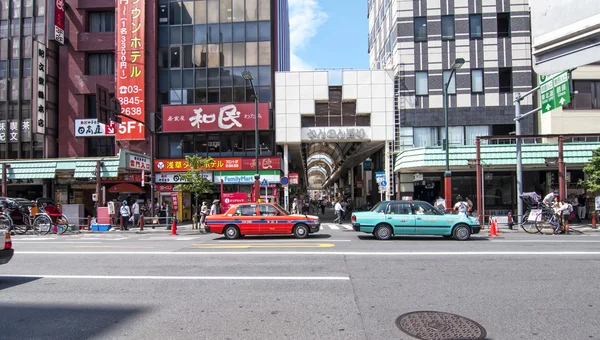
(338,284)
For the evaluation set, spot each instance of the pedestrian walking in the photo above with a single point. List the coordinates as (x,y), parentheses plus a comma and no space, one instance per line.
(440,203)
(295,206)
(135,209)
(214,208)
(470,203)
(125,215)
(582,200)
(203,213)
(461,206)
(339,211)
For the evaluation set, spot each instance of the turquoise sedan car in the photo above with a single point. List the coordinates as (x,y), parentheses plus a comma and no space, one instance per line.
(389,218)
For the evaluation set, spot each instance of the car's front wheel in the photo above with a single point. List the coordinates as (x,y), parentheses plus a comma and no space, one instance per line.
(231,232)
(301,231)
(461,232)
(383,232)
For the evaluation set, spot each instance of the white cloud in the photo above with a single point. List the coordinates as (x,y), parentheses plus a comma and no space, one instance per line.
(306,16)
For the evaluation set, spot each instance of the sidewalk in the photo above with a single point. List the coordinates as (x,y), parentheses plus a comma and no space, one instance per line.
(182,228)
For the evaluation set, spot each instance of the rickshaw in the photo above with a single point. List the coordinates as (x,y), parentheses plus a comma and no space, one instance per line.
(50,214)
(16,215)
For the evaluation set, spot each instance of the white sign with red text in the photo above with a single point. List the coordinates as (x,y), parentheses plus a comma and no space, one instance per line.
(91,128)
(138,162)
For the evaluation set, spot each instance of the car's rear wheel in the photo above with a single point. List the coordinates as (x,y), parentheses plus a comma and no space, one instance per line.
(231,232)
(461,232)
(383,232)
(301,231)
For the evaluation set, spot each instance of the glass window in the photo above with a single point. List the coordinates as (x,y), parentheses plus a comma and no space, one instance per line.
(26,68)
(251,31)
(250,142)
(505,79)
(447,27)
(91,106)
(226,94)
(4,9)
(200,56)
(266,143)
(264,76)
(475,29)
(28,26)
(16,9)
(14,68)
(200,95)
(264,93)
(3,69)
(188,145)
(213,11)
(163,98)
(175,146)
(421,83)
(237,77)
(175,35)
(399,209)
(39,25)
(251,54)
(163,14)
(27,47)
(200,12)
(186,12)
(213,77)
(214,145)
(188,59)
(226,33)
(200,34)
(4,29)
(226,79)
(201,78)
(239,32)
(457,134)
(472,132)
(503,20)
(187,34)
(238,10)
(420,29)
(201,147)
(237,144)
(101,63)
(422,208)
(226,11)
(264,31)
(239,54)
(268,210)
(163,37)
(101,21)
(163,80)
(175,13)
(214,55)
(264,53)
(251,10)
(175,56)
(15,28)
(163,58)
(175,78)
(246,210)
(477,80)
(239,94)
(264,10)
(452,85)
(175,97)
(104,146)
(426,136)
(188,80)
(227,55)
(213,34)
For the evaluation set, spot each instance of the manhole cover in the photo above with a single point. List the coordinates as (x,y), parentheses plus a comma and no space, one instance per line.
(428,325)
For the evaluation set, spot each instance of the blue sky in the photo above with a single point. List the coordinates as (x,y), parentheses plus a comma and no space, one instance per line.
(328,34)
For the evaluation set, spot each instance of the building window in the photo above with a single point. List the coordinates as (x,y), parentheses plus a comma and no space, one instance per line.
(452,85)
(101,64)
(4,29)
(426,136)
(104,146)
(101,21)
(448,27)
(91,106)
(421,83)
(476,80)
(3,69)
(475,29)
(588,95)
(503,20)
(472,132)
(457,134)
(28,26)
(505,79)
(421,29)
(26,68)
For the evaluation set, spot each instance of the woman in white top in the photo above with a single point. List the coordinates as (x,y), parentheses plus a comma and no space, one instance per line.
(125,213)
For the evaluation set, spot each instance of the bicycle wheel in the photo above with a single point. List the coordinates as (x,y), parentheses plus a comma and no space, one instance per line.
(544,220)
(528,226)
(4,223)
(20,228)
(42,224)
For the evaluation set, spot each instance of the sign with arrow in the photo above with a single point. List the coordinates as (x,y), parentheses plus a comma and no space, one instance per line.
(555,92)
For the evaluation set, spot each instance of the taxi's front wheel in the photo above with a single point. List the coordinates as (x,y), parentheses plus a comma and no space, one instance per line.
(231,232)
(301,231)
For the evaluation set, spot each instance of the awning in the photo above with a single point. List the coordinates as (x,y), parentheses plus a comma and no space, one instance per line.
(40,170)
(125,188)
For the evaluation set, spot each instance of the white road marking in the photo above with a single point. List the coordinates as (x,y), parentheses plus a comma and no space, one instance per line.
(237,278)
(347,227)
(33,239)
(545,241)
(334,227)
(169,238)
(249,240)
(318,253)
(56,242)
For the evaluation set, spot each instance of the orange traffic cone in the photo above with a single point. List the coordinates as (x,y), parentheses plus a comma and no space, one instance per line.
(493,230)
(497,228)
(174,227)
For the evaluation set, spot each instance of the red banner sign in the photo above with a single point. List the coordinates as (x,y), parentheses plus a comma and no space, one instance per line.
(175,201)
(165,187)
(220,164)
(293,178)
(231,198)
(130,69)
(214,117)
(59,21)
(265,163)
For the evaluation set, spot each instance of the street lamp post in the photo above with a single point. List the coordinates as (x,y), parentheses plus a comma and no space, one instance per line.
(458,63)
(248,76)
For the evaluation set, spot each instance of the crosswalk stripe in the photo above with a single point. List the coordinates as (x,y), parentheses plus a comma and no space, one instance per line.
(333,226)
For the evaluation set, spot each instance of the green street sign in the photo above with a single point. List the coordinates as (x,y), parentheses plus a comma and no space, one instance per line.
(555,92)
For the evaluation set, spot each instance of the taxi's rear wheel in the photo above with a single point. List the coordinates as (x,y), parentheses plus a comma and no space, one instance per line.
(383,232)
(231,232)
(301,231)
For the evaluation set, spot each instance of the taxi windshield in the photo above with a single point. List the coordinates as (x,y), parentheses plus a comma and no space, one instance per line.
(280,208)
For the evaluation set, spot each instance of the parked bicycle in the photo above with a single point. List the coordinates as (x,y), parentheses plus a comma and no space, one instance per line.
(534,206)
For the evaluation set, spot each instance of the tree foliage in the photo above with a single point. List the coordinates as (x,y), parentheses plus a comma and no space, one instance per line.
(592,170)
(193,180)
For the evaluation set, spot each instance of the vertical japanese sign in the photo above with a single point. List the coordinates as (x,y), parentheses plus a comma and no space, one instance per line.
(39,89)
(130,75)
(59,21)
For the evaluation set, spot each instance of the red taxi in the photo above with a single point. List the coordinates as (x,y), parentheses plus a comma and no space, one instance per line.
(261,219)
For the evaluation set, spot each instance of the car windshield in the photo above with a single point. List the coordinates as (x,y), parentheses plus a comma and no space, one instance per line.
(380,207)
(280,208)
